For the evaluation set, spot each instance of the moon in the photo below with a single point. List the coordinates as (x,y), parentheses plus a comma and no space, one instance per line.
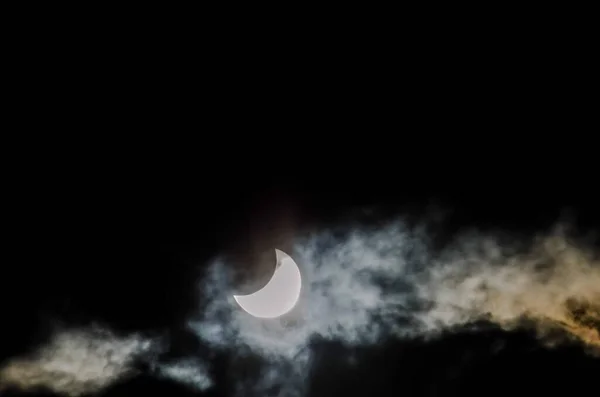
(279,295)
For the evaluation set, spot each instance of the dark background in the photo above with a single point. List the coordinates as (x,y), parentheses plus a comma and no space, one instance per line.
(109,212)
(103,240)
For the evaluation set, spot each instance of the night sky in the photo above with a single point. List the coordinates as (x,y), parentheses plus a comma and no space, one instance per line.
(441,205)
(126,252)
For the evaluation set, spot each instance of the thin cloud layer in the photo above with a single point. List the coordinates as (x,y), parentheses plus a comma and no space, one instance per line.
(362,287)
(555,283)
(189,371)
(76,362)
(359,288)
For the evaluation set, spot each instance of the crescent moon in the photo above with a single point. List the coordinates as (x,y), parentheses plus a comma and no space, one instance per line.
(281,293)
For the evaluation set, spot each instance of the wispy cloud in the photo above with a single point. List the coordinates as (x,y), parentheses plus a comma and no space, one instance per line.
(76,362)
(360,287)
(369,284)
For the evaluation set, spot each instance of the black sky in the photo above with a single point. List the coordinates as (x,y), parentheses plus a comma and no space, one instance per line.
(104,226)
(120,245)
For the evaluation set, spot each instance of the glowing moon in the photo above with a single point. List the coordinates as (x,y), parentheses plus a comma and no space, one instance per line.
(281,293)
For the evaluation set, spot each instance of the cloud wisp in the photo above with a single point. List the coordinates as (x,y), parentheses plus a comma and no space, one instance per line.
(76,362)
(360,288)
(364,286)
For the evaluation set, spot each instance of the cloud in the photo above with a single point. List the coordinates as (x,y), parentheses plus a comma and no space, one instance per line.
(189,371)
(554,283)
(360,287)
(366,285)
(343,287)
(76,362)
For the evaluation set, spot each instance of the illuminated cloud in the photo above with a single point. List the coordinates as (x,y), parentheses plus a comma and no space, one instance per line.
(191,372)
(554,283)
(367,285)
(75,362)
(359,288)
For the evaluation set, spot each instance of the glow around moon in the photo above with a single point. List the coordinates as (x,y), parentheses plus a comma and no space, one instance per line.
(281,293)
